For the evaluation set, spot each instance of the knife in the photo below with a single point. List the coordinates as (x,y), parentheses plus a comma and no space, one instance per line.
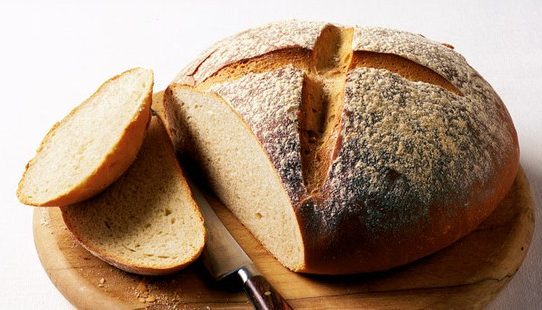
(223,257)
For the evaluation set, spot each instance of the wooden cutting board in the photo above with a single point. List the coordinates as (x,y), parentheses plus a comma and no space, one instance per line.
(467,274)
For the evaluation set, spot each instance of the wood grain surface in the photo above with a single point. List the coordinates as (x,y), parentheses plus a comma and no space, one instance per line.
(466,275)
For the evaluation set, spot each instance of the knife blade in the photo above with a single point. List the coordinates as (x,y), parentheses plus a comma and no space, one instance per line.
(224,257)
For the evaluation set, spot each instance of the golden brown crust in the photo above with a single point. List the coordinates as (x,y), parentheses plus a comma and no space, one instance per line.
(249,44)
(158,105)
(113,164)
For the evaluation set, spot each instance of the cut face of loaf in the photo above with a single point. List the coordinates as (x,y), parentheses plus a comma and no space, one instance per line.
(93,145)
(146,222)
(388,146)
(239,171)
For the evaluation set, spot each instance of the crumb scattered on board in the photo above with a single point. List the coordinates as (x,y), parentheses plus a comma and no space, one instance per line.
(143,294)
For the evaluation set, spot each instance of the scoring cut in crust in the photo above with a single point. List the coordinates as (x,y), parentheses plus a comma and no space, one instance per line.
(147,221)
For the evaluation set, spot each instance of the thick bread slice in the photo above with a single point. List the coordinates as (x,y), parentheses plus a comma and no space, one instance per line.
(146,222)
(93,145)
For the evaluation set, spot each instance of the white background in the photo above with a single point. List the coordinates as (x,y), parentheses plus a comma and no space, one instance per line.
(54,54)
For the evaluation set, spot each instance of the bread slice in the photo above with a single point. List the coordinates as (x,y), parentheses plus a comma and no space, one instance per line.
(93,145)
(146,222)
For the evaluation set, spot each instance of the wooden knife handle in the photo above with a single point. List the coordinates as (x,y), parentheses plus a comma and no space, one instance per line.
(262,295)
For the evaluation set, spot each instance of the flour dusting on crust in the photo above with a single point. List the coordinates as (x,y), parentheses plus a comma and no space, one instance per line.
(437,57)
(269,102)
(251,43)
(408,145)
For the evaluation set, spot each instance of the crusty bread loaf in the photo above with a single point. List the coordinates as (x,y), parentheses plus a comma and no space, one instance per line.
(93,145)
(146,222)
(368,147)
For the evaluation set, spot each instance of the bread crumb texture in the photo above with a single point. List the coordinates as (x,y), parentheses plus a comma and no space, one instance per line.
(81,151)
(238,168)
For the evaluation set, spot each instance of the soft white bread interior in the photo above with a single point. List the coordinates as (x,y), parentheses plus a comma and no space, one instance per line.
(146,222)
(93,145)
(239,171)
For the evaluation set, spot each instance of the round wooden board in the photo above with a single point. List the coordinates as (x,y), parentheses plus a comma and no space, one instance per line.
(467,274)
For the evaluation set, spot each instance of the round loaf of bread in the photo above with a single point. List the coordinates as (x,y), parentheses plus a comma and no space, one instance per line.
(344,149)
